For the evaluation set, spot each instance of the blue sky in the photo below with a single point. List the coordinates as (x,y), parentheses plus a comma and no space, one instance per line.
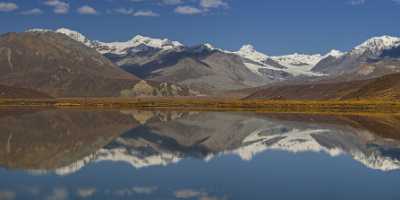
(272,26)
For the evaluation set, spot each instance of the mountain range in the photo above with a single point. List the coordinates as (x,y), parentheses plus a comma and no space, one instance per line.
(73,66)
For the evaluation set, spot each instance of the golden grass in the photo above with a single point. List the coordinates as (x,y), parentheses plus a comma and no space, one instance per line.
(293,106)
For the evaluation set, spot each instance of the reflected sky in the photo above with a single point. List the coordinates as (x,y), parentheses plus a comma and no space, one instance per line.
(72,154)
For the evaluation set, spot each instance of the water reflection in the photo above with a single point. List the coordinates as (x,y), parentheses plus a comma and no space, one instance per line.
(72,154)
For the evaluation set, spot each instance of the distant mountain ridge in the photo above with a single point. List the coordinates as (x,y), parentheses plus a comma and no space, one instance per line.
(203,67)
(137,43)
(308,64)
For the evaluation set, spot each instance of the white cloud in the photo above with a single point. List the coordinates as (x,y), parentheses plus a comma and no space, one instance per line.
(132,12)
(35,11)
(8,7)
(124,11)
(58,194)
(172,2)
(195,194)
(60,7)
(86,192)
(356,2)
(144,190)
(87,10)
(213,3)
(146,13)
(187,10)
(188,194)
(167,2)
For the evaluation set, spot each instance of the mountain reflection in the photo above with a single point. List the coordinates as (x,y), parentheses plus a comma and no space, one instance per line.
(65,141)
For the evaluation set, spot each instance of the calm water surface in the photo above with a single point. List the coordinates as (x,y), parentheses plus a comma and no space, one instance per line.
(72,154)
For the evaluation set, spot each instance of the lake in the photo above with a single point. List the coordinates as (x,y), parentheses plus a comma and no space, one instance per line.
(130,154)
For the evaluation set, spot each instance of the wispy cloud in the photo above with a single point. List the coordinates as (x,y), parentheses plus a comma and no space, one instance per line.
(356,2)
(132,12)
(123,11)
(60,7)
(34,11)
(134,190)
(87,10)
(86,192)
(146,13)
(213,3)
(164,2)
(195,194)
(188,10)
(145,190)
(172,2)
(58,194)
(8,7)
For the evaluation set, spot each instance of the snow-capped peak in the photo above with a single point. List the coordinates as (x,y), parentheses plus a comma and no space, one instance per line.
(376,45)
(74,35)
(297,59)
(209,46)
(294,64)
(335,53)
(248,51)
(153,42)
(115,47)
(139,40)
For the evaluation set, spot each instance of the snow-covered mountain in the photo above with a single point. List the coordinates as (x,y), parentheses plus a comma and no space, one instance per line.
(376,45)
(335,54)
(296,64)
(75,35)
(249,52)
(293,64)
(119,48)
(364,61)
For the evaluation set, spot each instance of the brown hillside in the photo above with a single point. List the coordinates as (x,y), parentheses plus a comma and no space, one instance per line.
(383,88)
(54,64)
(12,92)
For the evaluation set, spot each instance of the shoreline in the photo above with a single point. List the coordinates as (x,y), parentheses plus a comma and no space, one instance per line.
(278,106)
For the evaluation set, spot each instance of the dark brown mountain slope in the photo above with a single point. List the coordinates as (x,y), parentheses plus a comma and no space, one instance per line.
(55,64)
(12,92)
(382,88)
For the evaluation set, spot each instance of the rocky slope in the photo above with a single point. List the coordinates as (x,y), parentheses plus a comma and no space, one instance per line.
(54,64)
